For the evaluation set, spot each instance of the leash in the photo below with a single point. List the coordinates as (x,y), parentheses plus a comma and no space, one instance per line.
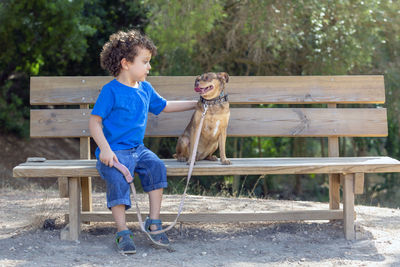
(128,177)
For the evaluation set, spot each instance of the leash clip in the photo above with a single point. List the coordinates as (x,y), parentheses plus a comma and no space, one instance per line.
(205,109)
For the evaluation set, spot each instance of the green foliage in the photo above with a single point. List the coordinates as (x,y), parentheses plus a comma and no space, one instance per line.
(53,38)
(260,37)
(176,26)
(106,17)
(303,37)
(37,37)
(12,114)
(270,37)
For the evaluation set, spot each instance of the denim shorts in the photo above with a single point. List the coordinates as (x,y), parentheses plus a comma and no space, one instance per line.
(151,170)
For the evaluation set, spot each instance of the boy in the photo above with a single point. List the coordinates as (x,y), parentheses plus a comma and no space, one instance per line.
(117,124)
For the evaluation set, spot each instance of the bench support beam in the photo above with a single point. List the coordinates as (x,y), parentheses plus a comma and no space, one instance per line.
(86,182)
(303,215)
(334,191)
(348,206)
(74,209)
(63,187)
(334,179)
(359,183)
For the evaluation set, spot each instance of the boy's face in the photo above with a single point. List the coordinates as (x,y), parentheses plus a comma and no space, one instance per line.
(140,67)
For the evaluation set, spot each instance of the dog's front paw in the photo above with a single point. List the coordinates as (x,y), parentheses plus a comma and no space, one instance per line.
(188,162)
(226,162)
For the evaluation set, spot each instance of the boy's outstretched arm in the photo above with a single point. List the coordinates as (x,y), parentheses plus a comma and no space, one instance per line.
(106,156)
(174,106)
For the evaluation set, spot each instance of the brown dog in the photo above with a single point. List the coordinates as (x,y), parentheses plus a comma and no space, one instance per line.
(211,87)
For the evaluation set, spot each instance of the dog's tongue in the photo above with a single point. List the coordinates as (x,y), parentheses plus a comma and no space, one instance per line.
(203,90)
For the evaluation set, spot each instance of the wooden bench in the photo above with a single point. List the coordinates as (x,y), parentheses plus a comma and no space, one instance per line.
(327,121)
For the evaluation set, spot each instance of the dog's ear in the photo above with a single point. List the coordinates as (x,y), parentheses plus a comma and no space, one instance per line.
(224,76)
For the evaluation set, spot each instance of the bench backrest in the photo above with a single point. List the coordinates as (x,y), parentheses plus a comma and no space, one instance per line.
(326,120)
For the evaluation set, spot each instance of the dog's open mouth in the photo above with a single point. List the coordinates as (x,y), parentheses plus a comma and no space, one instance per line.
(204,90)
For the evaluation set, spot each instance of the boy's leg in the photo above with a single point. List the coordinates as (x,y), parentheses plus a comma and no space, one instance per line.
(155,198)
(153,176)
(118,213)
(118,198)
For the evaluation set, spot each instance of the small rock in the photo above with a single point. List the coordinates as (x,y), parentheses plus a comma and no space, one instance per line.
(203,253)
(144,255)
(12,249)
(49,224)
(303,259)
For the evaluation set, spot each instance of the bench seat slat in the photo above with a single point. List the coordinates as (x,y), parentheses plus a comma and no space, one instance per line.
(240,166)
(241,89)
(299,122)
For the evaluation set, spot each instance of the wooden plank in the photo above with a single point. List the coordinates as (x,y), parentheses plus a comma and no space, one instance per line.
(63,187)
(240,166)
(334,191)
(334,179)
(348,206)
(359,183)
(241,89)
(74,209)
(86,186)
(302,215)
(86,182)
(291,122)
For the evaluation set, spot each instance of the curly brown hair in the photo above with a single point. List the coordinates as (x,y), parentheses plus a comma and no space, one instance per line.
(124,45)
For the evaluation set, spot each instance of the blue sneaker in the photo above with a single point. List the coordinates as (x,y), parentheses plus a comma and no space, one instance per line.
(158,239)
(125,244)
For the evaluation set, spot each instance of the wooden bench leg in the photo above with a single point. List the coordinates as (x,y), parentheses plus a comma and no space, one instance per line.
(62,187)
(359,183)
(86,182)
(334,191)
(348,206)
(86,187)
(74,208)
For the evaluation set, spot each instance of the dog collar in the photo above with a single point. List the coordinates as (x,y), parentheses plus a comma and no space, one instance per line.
(214,101)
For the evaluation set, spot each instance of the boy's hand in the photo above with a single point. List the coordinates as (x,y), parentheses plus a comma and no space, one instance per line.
(108,157)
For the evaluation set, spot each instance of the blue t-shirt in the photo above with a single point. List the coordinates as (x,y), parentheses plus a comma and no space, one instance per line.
(124,112)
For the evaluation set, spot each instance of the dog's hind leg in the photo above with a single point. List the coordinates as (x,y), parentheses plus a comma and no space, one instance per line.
(212,148)
(212,158)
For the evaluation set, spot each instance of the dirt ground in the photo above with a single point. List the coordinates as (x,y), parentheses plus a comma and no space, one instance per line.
(26,204)
(24,241)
